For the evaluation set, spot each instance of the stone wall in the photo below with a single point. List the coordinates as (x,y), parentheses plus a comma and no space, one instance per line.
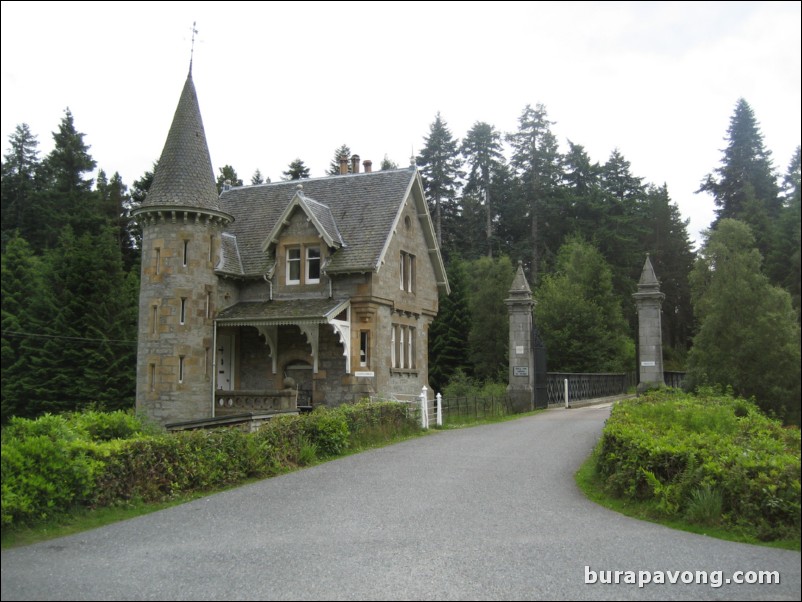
(174,355)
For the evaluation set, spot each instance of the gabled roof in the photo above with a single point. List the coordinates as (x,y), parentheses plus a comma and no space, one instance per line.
(319,214)
(184,177)
(364,210)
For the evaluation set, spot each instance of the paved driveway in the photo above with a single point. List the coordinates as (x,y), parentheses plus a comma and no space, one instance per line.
(490,512)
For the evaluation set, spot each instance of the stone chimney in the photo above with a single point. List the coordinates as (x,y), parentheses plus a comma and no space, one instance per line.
(355,164)
(343,165)
(368,165)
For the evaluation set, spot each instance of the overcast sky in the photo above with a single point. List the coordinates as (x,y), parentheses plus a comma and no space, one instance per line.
(280,80)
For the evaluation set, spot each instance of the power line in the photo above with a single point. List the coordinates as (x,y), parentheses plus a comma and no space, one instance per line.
(54,336)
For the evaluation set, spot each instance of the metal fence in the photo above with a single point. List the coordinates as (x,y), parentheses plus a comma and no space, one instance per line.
(674,379)
(583,386)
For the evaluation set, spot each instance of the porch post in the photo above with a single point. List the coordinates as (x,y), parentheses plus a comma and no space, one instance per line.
(214,364)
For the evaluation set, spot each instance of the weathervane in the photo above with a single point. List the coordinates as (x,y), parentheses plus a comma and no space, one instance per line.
(192,47)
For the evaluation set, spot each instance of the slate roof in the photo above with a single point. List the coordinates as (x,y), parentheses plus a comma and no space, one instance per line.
(230,260)
(279,312)
(184,177)
(360,208)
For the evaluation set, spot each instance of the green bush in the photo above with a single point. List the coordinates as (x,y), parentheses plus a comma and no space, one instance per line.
(327,430)
(104,426)
(43,476)
(54,463)
(685,453)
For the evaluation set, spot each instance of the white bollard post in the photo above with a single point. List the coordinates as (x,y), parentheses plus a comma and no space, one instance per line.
(439,410)
(566,393)
(424,408)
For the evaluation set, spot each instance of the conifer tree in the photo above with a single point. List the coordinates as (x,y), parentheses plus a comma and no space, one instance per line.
(439,164)
(537,163)
(387,164)
(257,178)
(748,337)
(481,149)
(579,316)
(488,340)
(17,195)
(745,187)
(667,242)
(88,355)
(783,262)
(22,288)
(449,331)
(334,166)
(69,196)
(296,171)
(227,174)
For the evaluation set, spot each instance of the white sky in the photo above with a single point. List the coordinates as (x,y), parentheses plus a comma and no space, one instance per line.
(280,80)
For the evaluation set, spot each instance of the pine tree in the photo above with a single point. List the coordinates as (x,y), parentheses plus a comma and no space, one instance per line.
(88,355)
(257,178)
(537,163)
(745,187)
(748,337)
(69,196)
(115,204)
(481,149)
(620,232)
(17,195)
(669,246)
(227,174)
(22,286)
(439,164)
(488,340)
(783,263)
(387,164)
(296,171)
(334,166)
(449,331)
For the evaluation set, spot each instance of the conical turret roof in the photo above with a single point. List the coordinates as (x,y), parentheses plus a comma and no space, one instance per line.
(184,177)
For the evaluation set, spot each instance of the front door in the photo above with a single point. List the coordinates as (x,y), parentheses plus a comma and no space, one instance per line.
(225,362)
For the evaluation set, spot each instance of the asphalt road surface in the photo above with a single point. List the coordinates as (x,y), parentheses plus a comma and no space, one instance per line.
(485,513)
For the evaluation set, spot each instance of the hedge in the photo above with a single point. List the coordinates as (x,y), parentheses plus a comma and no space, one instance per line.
(55,463)
(683,451)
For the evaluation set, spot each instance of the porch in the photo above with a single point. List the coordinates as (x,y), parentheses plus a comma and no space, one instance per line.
(280,356)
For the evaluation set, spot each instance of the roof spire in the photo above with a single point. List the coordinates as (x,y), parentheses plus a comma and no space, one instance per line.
(192,47)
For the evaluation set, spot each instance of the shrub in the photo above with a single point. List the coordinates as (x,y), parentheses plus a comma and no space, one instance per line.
(93,458)
(688,453)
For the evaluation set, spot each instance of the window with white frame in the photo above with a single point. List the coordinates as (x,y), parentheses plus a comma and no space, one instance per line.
(364,348)
(294,265)
(403,347)
(407,272)
(312,265)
